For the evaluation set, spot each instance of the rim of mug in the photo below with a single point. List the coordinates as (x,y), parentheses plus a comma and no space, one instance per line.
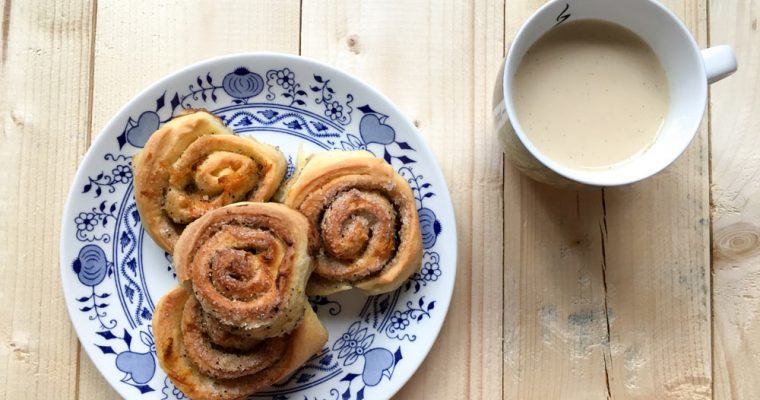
(605,177)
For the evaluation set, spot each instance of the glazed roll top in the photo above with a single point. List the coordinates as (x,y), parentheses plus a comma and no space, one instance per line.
(366,217)
(194,164)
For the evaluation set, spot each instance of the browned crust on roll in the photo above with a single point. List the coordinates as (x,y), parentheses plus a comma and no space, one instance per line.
(333,175)
(157,173)
(279,308)
(306,340)
(224,363)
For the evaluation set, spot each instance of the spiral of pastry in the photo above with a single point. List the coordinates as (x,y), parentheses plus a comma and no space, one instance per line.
(241,321)
(248,264)
(194,164)
(225,363)
(206,371)
(367,220)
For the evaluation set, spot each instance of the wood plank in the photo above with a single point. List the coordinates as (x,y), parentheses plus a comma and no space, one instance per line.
(658,281)
(555,320)
(555,330)
(735,142)
(607,293)
(436,61)
(161,38)
(44,88)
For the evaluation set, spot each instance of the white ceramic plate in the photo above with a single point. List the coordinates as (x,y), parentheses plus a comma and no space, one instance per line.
(113,273)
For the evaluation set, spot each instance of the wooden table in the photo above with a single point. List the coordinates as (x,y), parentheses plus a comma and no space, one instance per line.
(650,291)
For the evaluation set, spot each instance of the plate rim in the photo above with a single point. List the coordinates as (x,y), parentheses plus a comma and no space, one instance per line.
(448,211)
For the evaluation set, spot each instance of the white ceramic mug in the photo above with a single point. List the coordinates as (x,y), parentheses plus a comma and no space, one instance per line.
(688,70)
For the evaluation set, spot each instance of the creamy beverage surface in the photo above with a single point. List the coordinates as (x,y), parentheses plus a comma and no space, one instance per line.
(590,94)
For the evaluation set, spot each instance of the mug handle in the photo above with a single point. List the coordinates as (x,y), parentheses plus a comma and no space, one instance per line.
(720,62)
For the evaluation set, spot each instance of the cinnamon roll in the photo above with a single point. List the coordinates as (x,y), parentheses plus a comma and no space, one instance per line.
(194,164)
(203,370)
(366,217)
(241,321)
(248,264)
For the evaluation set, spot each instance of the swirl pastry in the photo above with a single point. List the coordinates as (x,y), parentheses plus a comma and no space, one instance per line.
(194,164)
(366,216)
(245,322)
(248,264)
(225,374)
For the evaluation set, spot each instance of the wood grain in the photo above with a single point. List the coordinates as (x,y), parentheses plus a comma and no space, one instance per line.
(595,294)
(554,311)
(161,38)
(735,126)
(43,91)
(607,292)
(555,320)
(658,280)
(436,61)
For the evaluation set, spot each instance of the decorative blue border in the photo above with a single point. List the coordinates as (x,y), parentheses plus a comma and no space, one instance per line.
(274,101)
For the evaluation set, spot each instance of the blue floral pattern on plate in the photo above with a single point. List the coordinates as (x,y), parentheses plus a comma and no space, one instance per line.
(113,273)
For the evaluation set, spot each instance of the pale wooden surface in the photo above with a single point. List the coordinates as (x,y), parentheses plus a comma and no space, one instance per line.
(735,127)
(596,294)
